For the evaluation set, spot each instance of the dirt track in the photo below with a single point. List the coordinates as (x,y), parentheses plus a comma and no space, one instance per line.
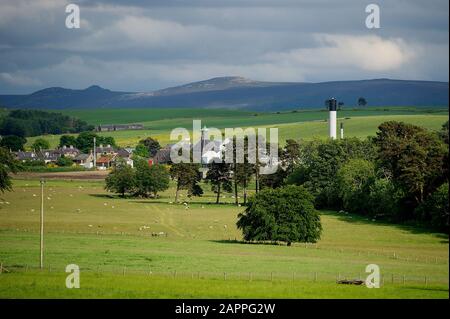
(92,175)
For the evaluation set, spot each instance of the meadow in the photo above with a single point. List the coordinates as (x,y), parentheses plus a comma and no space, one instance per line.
(200,254)
(306,124)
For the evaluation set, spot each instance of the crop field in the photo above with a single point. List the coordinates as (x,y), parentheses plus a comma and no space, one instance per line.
(154,248)
(303,124)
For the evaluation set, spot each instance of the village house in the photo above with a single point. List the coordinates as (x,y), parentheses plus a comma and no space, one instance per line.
(70,151)
(26,156)
(105,150)
(85,160)
(49,156)
(162,156)
(105,162)
(125,155)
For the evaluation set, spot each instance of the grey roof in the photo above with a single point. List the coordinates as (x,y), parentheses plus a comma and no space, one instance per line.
(81,157)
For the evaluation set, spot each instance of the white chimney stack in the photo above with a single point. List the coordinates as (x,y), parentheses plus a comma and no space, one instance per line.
(332,106)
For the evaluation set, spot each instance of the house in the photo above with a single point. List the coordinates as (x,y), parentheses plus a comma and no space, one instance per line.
(124,152)
(70,151)
(125,155)
(162,156)
(105,150)
(49,156)
(105,162)
(85,160)
(26,156)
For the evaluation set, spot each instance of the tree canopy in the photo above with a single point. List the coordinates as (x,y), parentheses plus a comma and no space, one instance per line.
(286,214)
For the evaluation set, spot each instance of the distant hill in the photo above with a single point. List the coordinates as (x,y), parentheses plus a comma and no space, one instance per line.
(241,93)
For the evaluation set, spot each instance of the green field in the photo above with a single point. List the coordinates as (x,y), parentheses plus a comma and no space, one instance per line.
(202,255)
(303,124)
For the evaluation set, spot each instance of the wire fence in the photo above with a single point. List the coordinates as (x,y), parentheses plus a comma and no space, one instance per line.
(315,276)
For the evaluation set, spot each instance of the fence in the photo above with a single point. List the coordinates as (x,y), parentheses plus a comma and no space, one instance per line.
(295,277)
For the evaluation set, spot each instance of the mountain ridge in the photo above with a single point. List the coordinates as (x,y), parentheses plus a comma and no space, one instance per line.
(241,93)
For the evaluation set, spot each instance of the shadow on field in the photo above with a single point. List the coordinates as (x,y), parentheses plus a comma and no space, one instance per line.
(426,288)
(356,219)
(243,242)
(158,201)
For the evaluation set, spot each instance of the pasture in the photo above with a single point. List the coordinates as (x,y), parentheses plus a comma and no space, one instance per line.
(200,253)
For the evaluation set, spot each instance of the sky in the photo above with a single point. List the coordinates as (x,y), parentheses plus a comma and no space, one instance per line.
(140,46)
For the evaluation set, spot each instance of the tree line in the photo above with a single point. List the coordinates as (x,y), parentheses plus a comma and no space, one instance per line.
(25,123)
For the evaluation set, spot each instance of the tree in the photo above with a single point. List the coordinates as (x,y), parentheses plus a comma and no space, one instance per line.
(319,163)
(40,144)
(219,176)
(13,142)
(413,156)
(67,140)
(353,181)
(435,210)
(150,179)
(85,141)
(141,151)
(121,179)
(64,161)
(187,176)
(286,214)
(290,155)
(151,144)
(362,101)
(7,165)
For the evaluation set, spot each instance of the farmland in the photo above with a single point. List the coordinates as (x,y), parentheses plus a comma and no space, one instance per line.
(302,124)
(200,254)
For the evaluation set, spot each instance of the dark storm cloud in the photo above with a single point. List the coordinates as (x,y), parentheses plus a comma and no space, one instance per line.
(144,45)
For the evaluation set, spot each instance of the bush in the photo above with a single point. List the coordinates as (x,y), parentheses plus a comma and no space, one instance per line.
(286,214)
(64,161)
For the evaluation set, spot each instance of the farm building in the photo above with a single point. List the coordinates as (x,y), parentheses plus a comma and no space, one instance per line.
(119,127)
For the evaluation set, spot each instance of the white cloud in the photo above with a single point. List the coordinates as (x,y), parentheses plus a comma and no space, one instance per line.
(18,79)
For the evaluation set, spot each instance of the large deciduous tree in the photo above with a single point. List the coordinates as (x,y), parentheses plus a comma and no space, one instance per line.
(187,176)
(121,179)
(286,214)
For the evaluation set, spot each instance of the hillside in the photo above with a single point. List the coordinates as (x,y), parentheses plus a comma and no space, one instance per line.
(241,93)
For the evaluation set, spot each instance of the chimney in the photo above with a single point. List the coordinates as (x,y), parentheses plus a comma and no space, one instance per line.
(332,106)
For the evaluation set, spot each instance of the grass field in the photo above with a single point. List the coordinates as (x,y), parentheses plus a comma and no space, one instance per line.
(305,124)
(202,255)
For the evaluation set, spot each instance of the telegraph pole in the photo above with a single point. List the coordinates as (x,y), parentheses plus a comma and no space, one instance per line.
(95,155)
(41,259)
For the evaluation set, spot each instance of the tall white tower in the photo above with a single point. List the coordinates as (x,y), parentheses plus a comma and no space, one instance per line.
(332,107)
